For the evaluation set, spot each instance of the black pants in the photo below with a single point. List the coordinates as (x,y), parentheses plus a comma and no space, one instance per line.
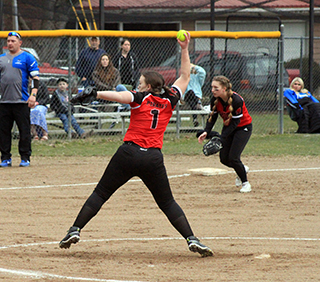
(131,160)
(233,146)
(19,113)
(192,100)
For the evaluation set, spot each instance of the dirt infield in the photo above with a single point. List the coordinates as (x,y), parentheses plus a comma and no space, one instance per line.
(270,234)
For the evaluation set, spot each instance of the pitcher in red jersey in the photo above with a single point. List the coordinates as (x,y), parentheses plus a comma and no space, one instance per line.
(236,131)
(140,154)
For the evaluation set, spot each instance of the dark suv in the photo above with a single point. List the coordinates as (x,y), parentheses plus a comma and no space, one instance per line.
(168,68)
(247,72)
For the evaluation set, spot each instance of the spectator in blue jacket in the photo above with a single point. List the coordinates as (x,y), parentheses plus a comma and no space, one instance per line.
(302,107)
(88,60)
(193,94)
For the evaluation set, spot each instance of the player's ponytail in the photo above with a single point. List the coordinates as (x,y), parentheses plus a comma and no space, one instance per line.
(167,91)
(213,109)
(229,94)
(156,82)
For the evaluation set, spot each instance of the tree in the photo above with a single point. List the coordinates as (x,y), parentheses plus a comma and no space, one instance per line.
(39,15)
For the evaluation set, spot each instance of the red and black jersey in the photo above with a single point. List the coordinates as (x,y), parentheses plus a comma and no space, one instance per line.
(150,115)
(239,109)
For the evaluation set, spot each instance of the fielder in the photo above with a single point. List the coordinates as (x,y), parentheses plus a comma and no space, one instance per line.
(236,131)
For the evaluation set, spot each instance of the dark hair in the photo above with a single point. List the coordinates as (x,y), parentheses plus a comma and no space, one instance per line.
(124,40)
(62,79)
(156,81)
(106,73)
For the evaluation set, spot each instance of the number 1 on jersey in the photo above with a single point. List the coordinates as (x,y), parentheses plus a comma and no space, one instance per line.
(155,116)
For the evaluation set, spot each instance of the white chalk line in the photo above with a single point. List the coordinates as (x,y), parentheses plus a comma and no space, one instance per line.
(38,275)
(79,184)
(166,239)
(135,180)
(43,275)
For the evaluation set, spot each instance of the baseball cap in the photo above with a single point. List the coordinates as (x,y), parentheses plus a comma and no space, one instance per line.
(62,79)
(13,33)
(94,37)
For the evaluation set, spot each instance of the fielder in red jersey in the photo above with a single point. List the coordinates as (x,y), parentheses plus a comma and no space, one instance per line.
(236,131)
(140,154)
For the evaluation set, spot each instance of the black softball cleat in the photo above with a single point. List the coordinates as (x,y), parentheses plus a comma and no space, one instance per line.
(196,247)
(72,237)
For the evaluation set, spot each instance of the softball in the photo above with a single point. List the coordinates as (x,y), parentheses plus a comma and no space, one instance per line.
(180,35)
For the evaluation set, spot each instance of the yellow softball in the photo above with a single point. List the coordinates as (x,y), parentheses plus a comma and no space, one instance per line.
(180,34)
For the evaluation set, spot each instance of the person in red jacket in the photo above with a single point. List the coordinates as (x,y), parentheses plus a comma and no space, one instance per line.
(236,131)
(140,154)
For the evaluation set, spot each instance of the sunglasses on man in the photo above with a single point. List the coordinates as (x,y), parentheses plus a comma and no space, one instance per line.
(13,33)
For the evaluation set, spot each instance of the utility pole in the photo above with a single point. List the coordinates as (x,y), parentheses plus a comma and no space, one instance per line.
(101,12)
(1,14)
(15,15)
(212,19)
(101,21)
(311,37)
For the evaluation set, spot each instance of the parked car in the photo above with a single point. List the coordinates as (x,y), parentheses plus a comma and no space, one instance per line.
(169,68)
(246,71)
(293,73)
(49,74)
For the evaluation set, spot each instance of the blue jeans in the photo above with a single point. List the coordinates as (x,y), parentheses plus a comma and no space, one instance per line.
(75,125)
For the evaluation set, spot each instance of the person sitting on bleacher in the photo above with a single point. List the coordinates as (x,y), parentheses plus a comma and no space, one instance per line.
(302,107)
(38,122)
(193,94)
(59,103)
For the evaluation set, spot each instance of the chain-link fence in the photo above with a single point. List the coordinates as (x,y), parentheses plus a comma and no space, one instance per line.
(297,61)
(252,64)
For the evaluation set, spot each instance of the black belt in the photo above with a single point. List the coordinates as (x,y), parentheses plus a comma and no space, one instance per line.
(141,148)
(131,143)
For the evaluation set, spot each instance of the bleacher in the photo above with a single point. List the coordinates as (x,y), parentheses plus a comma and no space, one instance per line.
(100,121)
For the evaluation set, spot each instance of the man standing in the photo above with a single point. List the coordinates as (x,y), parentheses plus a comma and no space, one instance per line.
(88,60)
(16,68)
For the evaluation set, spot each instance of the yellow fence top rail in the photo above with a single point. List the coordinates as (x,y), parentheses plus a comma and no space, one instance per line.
(154,34)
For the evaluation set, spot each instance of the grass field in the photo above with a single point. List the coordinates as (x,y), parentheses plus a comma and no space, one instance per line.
(259,145)
(265,141)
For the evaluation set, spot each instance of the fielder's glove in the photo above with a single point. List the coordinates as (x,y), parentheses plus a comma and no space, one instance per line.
(85,97)
(213,146)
